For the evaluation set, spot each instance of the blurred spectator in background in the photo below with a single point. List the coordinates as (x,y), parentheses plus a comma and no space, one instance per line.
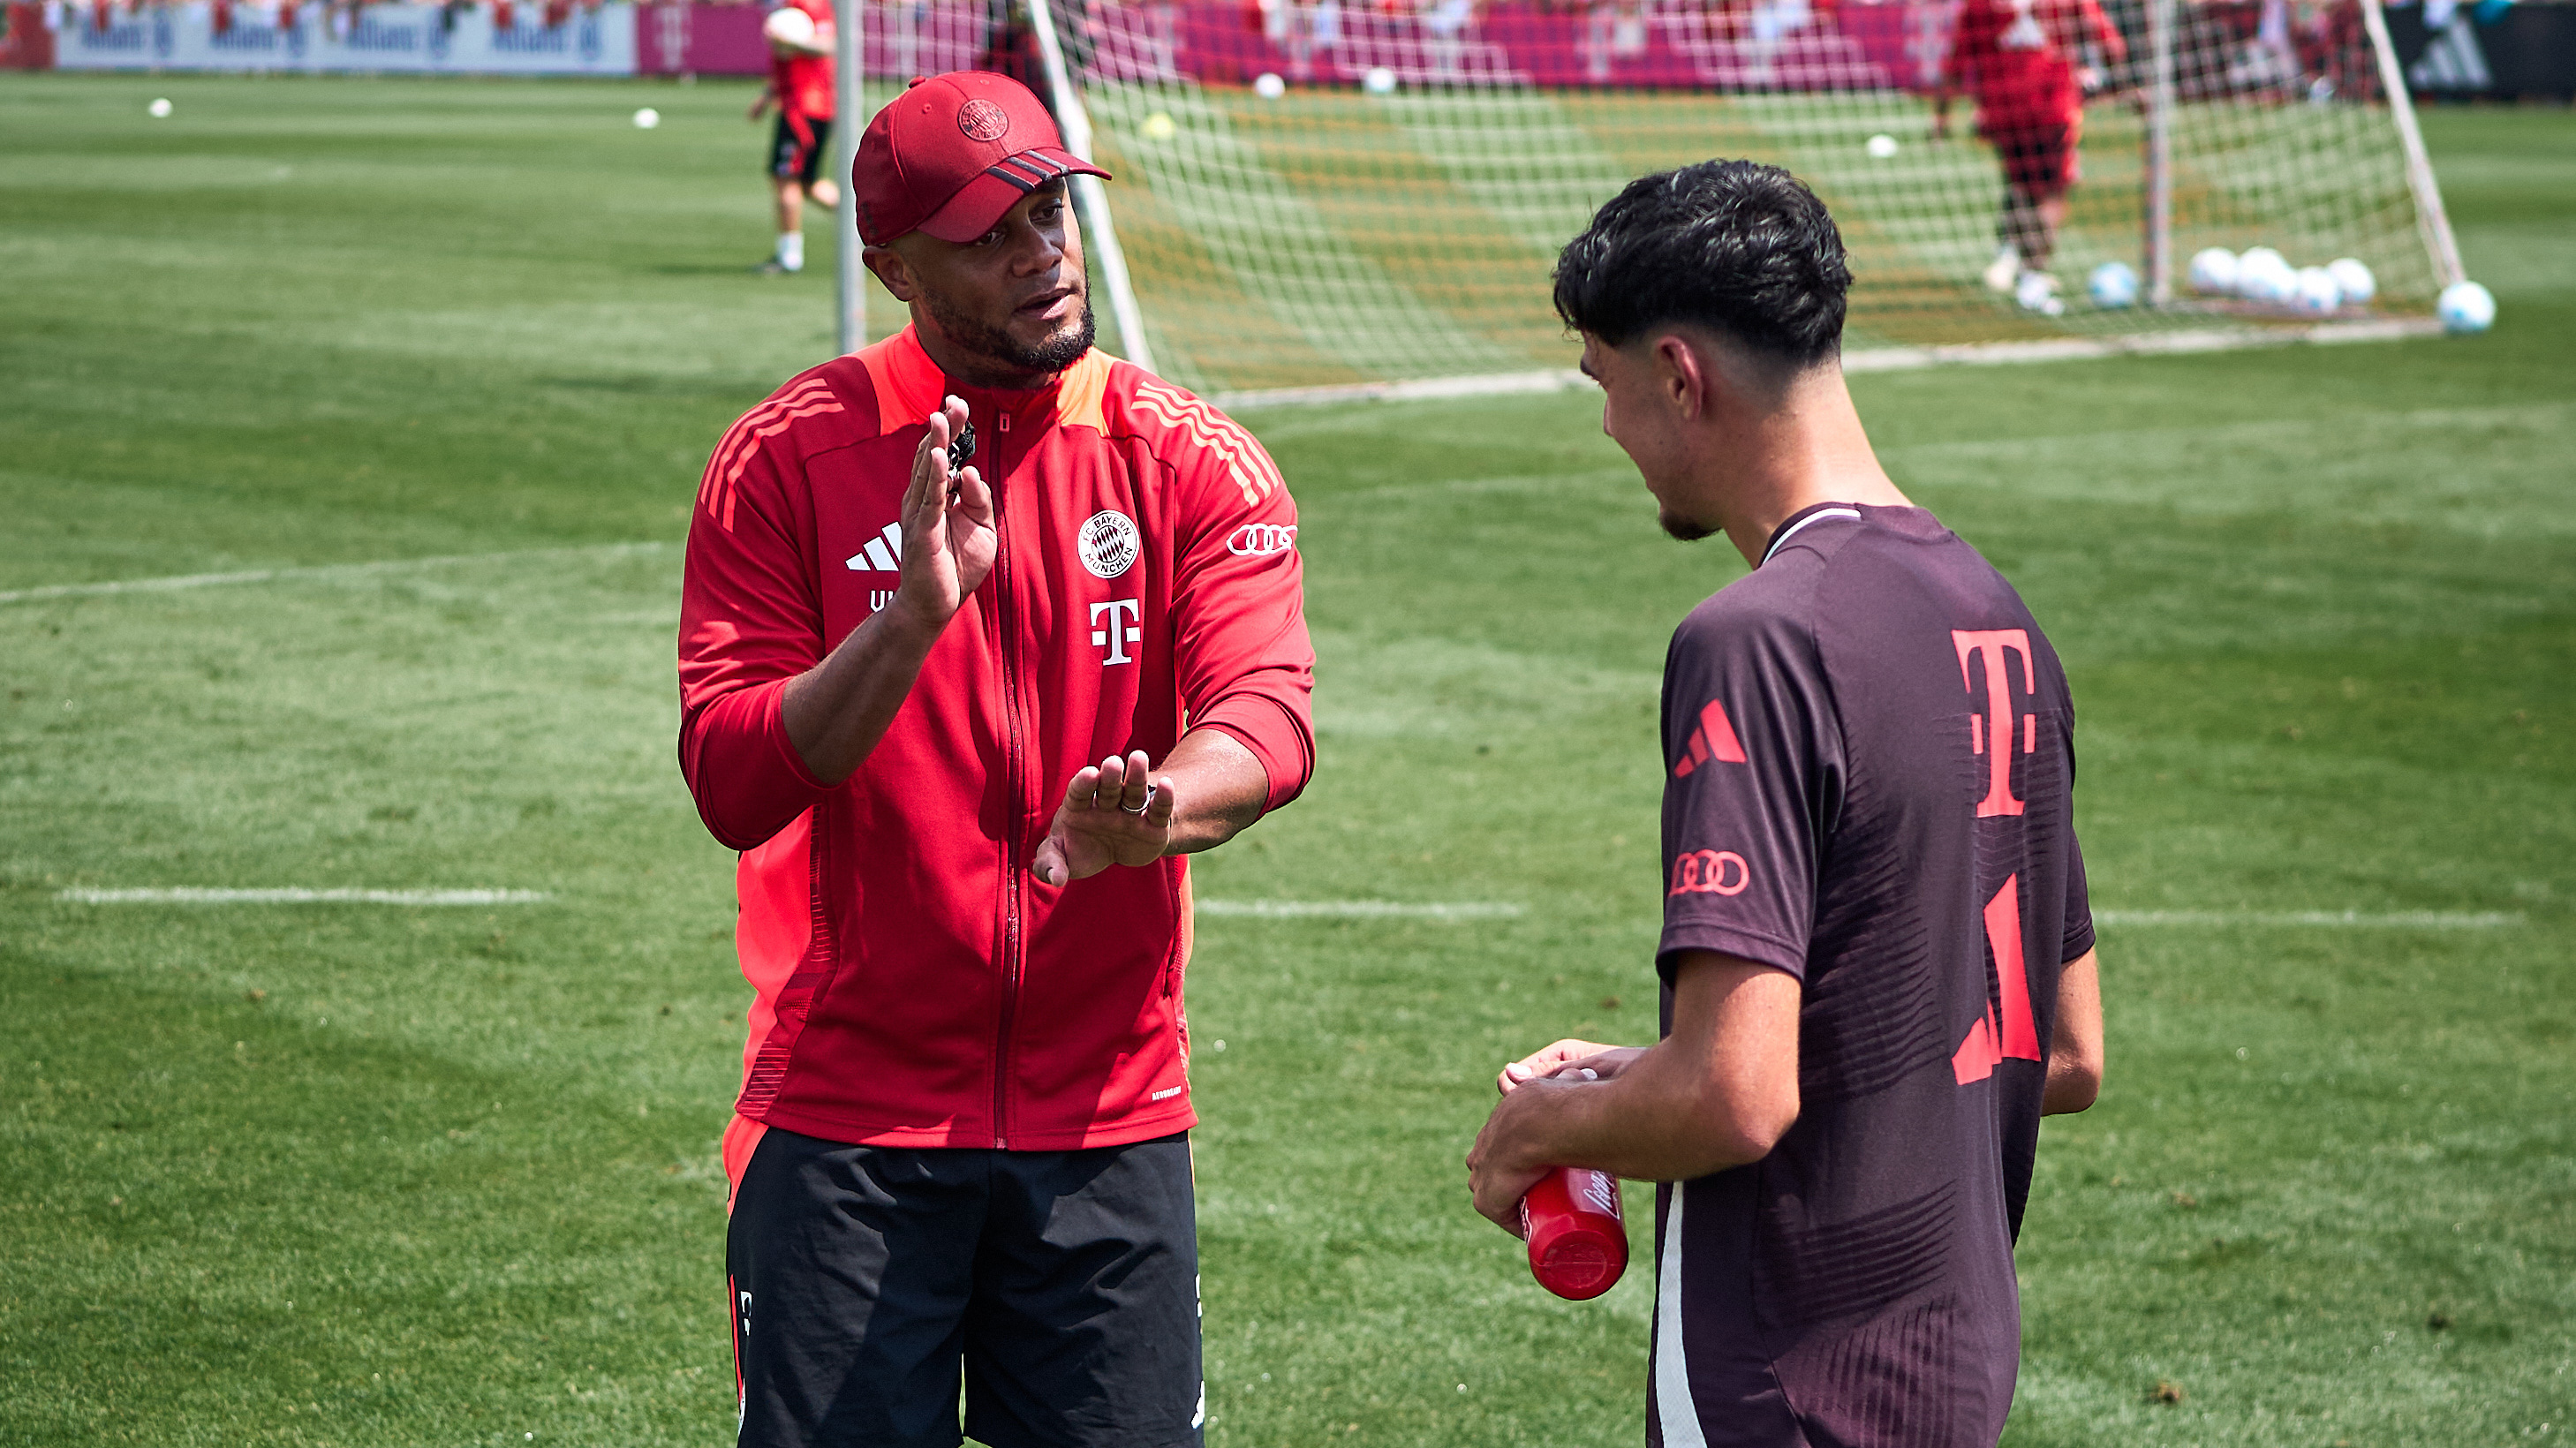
(801,83)
(2031,63)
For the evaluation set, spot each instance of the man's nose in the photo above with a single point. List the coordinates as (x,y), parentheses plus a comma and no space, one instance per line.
(1034,250)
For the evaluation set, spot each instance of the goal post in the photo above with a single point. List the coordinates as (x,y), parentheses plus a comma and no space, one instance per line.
(1332,197)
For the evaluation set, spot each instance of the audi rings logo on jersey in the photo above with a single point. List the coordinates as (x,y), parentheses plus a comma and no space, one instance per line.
(982,120)
(1108,544)
(1260,540)
(1710,872)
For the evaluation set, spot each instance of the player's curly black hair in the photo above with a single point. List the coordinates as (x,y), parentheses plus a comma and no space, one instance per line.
(1734,246)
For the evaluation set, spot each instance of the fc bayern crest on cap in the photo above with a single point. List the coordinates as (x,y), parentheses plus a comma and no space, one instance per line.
(982,120)
(1108,544)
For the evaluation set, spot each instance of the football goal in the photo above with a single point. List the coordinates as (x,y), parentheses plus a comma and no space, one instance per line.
(1333,198)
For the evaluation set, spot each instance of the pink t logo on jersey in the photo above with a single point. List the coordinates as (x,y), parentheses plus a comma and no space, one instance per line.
(1991,733)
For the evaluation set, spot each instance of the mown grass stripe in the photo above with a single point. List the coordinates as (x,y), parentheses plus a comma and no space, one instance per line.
(1361,909)
(197,895)
(2351,919)
(320,570)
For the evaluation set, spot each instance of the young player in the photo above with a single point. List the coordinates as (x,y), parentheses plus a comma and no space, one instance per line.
(1877,958)
(964,732)
(2031,62)
(802,85)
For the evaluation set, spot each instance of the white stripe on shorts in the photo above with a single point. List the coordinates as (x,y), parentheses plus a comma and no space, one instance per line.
(1672,1370)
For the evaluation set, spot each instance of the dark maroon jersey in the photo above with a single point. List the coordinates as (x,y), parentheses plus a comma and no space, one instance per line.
(1871,756)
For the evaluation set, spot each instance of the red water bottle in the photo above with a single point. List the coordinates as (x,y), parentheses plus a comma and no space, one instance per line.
(1577,1244)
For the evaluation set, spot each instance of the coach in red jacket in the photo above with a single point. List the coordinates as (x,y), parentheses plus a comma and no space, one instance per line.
(964,720)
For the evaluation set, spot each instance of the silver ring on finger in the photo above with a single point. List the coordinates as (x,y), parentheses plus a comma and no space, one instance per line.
(1142,808)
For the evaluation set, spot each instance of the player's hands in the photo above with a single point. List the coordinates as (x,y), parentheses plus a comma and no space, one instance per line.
(1568,1060)
(758,109)
(949,538)
(1498,1175)
(1116,814)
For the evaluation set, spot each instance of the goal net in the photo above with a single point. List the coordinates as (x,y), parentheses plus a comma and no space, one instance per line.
(1321,193)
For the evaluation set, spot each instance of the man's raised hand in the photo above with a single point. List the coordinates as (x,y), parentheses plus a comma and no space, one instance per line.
(1115,814)
(949,540)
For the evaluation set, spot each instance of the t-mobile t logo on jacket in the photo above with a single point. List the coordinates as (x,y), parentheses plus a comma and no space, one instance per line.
(1118,631)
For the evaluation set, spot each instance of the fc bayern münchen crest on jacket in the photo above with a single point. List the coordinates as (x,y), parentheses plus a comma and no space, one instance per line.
(1109,544)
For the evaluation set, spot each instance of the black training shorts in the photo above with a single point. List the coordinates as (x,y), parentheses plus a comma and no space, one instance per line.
(2039,159)
(794,157)
(1064,1284)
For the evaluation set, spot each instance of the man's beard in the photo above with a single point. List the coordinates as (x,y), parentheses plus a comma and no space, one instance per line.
(1683,528)
(995,345)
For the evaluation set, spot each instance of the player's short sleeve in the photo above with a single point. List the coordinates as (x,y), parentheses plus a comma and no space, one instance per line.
(1753,766)
(2079,907)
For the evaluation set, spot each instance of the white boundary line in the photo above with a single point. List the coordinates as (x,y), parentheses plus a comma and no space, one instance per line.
(191,895)
(1358,909)
(1876,359)
(2346,919)
(319,570)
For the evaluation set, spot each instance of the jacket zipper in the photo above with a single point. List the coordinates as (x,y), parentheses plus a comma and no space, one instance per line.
(1009,628)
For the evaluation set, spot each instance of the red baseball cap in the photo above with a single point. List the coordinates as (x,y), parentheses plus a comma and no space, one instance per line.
(952,154)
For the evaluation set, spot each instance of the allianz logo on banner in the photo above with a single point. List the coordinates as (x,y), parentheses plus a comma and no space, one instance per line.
(282,35)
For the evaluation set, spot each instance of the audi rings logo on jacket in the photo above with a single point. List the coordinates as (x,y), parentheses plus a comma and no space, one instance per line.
(1259,540)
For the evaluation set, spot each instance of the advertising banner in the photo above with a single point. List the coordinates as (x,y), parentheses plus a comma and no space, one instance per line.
(411,39)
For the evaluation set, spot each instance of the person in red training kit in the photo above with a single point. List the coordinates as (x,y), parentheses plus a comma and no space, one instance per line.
(964,720)
(801,82)
(2032,63)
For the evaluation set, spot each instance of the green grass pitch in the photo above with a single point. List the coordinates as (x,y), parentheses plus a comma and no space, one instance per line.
(367,1174)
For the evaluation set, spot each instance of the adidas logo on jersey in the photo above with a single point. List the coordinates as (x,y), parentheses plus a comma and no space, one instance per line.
(1713,739)
(884,553)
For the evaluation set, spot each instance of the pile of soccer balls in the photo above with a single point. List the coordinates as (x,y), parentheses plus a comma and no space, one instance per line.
(2264,277)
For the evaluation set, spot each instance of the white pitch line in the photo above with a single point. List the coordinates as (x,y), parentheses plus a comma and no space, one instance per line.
(319,570)
(1358,909)
(2345,919)
(191,895)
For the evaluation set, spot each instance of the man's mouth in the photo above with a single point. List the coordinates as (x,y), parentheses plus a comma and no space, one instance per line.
(1050,305)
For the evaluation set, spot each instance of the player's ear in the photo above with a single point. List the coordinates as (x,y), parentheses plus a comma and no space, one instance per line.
(891,269)
(1682,375)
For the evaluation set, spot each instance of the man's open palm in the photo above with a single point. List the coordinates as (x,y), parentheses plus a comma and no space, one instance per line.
(1116,814)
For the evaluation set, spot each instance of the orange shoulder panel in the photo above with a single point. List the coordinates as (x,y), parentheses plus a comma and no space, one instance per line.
(1082,396)
(908,384)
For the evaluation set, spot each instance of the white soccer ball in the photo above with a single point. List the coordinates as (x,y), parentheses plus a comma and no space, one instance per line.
(2114,284)
(159,110)
(2466,307)
(1269,86)
(647,118)
(1882,146)
(2359,286)
(789,29)
(1379,81)
(2213,272)
(2262,275)
(1159,127)
(2317,294)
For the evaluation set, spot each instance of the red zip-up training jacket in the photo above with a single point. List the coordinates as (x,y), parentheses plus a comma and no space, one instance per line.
(916,986)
